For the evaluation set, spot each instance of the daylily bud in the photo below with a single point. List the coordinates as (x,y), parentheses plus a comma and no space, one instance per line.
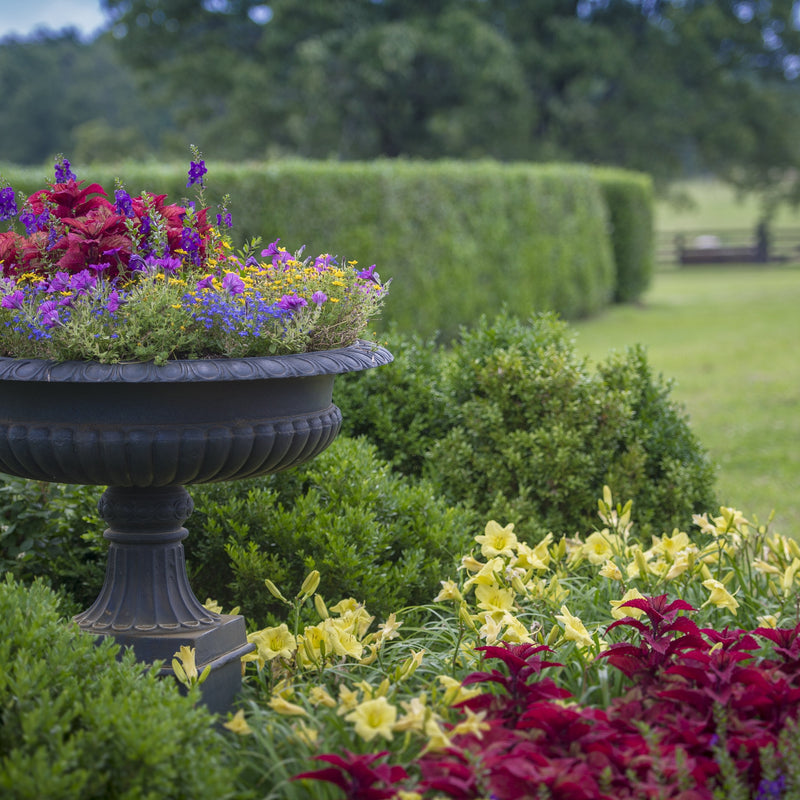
(319,604)
(310,584)
(275,591)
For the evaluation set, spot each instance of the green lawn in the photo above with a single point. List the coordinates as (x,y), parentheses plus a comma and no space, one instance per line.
(730,338)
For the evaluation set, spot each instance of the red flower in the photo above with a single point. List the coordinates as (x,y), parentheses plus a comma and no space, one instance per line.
(357,777)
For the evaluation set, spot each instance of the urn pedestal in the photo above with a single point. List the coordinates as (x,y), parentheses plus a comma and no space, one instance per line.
(146,432)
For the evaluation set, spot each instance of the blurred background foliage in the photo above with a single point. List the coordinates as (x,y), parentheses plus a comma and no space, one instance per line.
(669,87)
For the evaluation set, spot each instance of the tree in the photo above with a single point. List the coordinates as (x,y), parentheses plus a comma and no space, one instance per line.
(54,83)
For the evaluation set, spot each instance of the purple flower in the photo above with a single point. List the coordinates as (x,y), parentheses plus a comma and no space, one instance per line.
(232,283)
(63,171)
(227,219)
(32,222)
(8,203)
(13,300)
(113,302)
(123,204)
(83,282)
(319,298)
(170,264)
(191,242)
(205,283)
(291,302)
(321,263)
(368,274)
(49,314)
(59,282)
(196,171)
(271,249)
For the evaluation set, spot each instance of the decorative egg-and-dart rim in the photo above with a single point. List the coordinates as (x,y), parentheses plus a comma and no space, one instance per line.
(358,356)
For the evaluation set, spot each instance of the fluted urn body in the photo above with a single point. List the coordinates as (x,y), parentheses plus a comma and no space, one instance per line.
(145,431)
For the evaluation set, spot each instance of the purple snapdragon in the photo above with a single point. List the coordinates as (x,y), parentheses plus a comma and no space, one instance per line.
(196,171)
(8,204)
(34,222)
(123,203)
(64,172)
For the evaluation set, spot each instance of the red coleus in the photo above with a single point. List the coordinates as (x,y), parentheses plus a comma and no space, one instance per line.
(85,229)
(357,776)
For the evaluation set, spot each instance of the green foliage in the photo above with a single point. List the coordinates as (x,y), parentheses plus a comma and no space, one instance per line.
(516,426)
(374,535)
(52,531)
(77,722)
(629,198)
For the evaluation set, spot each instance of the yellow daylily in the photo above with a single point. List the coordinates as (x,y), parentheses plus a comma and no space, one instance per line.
(373,718)
(574,629)
(720,596)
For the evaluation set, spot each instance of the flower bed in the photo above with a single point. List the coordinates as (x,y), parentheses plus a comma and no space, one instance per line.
(139,279)
(589,667)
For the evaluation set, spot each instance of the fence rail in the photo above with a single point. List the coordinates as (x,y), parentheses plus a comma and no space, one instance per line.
(727,245)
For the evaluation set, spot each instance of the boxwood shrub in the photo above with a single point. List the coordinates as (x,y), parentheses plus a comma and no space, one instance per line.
(514,424)
(75,722)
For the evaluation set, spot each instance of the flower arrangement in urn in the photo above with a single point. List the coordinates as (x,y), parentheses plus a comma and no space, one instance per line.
(138,279)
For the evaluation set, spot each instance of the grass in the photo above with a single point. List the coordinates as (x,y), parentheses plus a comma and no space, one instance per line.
(711,204)
(728,336)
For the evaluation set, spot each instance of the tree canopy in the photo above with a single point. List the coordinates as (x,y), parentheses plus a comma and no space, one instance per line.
(663,86)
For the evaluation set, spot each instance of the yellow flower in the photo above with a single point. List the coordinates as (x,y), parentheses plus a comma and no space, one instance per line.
(319,696)
(487,574)
(768,621)
(474,724)
(238,724)
(574,629)
(532,558)
(490,630)
(388,630)
(494,599)
(515,631)
(454,692)
(285,708)
(611,570)
(305,734)
(671,546)
(497,541)
(449,592)
(788,576)
(343,642)
(599,547)
(618,612)
(437,738)
(416,714)
(720,596)
(348,700)
(273,643)
(373,718)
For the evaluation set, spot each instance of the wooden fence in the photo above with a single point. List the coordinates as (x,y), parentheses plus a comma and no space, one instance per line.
(727,246)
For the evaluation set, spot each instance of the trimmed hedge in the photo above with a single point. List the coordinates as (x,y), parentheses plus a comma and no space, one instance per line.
(629,198)
(460,238)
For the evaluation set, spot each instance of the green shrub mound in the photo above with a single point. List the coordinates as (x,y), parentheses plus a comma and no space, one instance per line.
(379,537)
(77,723)
(512,423)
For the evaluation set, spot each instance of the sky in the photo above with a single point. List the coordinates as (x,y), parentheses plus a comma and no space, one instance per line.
(22,17)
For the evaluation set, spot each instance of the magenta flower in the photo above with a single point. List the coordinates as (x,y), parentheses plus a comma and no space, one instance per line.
(232,283)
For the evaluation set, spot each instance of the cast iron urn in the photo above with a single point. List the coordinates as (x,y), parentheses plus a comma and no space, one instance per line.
(145,432)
